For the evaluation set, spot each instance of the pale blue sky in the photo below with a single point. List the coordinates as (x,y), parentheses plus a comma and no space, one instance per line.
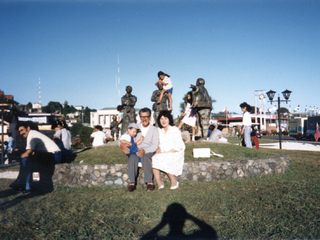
(236,46)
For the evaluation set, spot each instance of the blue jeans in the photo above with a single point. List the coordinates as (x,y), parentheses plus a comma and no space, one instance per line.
(25,174)
(40,162)
(247,136)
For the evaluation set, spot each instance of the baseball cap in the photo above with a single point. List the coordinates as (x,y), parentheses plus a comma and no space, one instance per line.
(133,125)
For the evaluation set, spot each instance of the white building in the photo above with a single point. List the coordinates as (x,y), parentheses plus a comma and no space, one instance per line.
(79,108)
(104,116)
(36,105)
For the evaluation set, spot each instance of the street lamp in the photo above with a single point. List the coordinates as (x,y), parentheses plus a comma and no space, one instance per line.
(286,95)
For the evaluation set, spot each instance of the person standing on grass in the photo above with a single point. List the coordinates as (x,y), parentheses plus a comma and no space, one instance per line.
(146,150)
(190,116)
(164,79)
(10,141)
(39,155)
(254,137)
(99,137)
(317,134)
(246,123)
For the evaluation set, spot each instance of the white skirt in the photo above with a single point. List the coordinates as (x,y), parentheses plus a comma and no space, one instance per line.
(169,162)
(191,121)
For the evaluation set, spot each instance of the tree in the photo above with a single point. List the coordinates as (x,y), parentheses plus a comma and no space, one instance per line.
(75,129)
(52,107)
(65,109)
(284,110)
(29,105)
(85,133)
(86,113)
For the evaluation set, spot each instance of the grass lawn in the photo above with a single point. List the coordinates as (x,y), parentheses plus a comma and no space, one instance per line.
(113,154)
(283,206)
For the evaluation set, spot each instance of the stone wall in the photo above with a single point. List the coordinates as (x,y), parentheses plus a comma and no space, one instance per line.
(75,175)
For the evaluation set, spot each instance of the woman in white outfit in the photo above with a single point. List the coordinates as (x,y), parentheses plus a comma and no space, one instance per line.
(246,123)
(169,157)
(190,116)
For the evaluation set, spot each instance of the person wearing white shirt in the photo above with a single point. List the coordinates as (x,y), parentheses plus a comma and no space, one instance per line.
(40,150)
(99,137)
(164,79)
(246,123)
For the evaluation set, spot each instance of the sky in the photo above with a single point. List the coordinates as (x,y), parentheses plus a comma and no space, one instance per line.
(86,52)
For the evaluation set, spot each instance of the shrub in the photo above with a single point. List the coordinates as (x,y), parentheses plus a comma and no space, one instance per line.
(75,129)
(85,133)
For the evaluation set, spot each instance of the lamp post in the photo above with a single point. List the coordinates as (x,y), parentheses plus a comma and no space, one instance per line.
(286,95)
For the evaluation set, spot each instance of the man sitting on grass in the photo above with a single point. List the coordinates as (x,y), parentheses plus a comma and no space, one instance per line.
(216,135)
(38,157)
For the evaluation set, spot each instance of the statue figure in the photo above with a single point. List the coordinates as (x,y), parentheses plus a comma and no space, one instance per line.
(158,107)
(202,103)
(129,115)
(114,126)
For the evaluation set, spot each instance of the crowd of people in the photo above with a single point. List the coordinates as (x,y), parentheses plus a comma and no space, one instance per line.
(156,148)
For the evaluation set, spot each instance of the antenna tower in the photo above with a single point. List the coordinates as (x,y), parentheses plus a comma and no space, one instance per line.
(40,96)
(119,80)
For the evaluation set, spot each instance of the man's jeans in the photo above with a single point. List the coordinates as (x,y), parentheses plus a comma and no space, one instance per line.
(42,163)
(247,137)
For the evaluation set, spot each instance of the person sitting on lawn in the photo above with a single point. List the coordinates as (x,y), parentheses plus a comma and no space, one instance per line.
(216,135)
(129,139)
(39,155)
(99,137)
(146,150)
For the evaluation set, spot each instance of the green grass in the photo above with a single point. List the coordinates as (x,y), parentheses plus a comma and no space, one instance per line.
(113,154)
(285,206)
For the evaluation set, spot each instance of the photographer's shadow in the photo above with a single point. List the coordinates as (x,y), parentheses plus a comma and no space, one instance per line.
(175,216)
(19,197)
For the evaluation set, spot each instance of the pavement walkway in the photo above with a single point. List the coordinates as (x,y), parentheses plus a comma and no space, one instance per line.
(289,145)
(9,174)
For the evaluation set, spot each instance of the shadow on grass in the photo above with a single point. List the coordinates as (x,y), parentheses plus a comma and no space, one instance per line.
(20,197)
(82,150)
(8,166)
(175,216)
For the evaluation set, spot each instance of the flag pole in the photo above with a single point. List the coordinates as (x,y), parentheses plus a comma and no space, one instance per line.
(227,118)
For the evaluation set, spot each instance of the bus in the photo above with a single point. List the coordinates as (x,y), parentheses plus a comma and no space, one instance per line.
(298,127)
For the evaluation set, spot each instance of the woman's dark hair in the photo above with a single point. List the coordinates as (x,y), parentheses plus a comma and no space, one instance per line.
(211,127)
(64,124)
(189,100)
(166,114)
(162,73)
(56,123)
(98,127)
(119,108)
(246,105)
